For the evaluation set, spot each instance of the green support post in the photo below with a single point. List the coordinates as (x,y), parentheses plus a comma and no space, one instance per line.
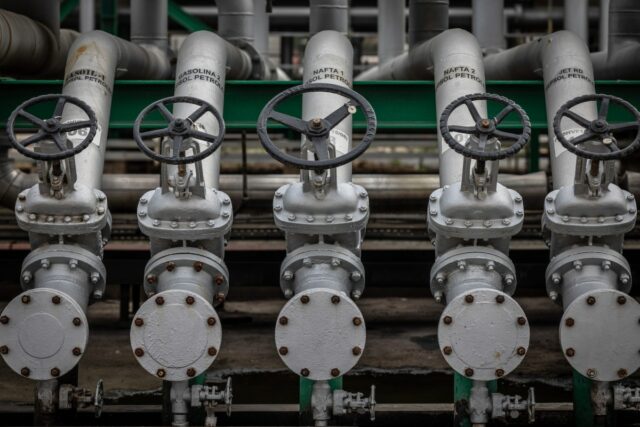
(582,408)
(189,22)
(109,16)
(66,7)
(461,395)
(306,388)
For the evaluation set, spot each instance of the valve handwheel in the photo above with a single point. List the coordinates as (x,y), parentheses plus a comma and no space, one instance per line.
(179,130)
(51,129)
(318,129)
(598,130)
(486,128)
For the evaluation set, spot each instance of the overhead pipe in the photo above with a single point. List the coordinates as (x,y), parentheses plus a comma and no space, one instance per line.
(261,26)
(149,22)
(620,61)
(576,18)
(87,15)
(236,20)
(488,24)
(427,19)
(391,29)
(329,15)
(564,61)
(603,26)
(47,13)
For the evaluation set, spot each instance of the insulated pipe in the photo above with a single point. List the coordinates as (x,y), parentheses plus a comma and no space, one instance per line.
(454,60)
(29,48)
(206,53)
(235,20)
(149,22)
(564,60)
(391,29)
(576,18)
(488,22)
(92,64)
(427,19)
(261,26)
(45,12)
(328,15)
(603,28)
(328,58)
(620,61)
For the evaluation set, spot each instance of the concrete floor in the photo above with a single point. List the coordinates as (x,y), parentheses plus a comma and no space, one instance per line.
(401,339)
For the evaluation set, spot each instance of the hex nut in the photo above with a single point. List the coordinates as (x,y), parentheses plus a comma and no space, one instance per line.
(622,373)
(468,299)
(499,299)
(190,300)
(219,280)
(211,321)
(283,351)
(191,372)
(447,350)
(25,372)
(77,321)
(356,351)
(591,300)
(138,352)
(357,321)
(304,372)
(304,299)
(447,320)
(522,321)
(283,320)
(55,299)
(569,321)
(159,300)
(197,266)
(26,299)
(521,351)
(622,300)
(161,373)
(212,351)
(591,373)
(4,349)
(151,279)
(55,372)
(171,266)
(76,351)
(499,372)
(4,320)
(468,372)
(335,299)
(335,372)
(138,321)
(570,352)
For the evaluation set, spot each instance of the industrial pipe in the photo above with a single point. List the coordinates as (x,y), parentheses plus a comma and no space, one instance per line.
(576,18)
(427,19)
(451,55)
(235,20)
(149,22)
(564,60)
(328,15)
(488,24)
(391,29)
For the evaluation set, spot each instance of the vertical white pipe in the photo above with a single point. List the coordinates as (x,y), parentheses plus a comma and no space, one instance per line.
(576,18)
(391,29)
(603,37)
(488,22)
(87,16)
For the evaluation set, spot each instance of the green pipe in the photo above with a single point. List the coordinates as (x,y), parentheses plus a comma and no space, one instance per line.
(582,408)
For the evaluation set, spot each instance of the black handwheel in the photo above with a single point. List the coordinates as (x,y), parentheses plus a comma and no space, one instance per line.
(486,128)
(598,130)
(317,130)
(179,130)
(51,129)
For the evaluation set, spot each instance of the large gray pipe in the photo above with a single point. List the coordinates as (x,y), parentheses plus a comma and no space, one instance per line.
(391,29)
(328,58)
(328,15)
(45,12)
(235,20)
(149,22)
(92,64)
(603,25)
(488,24)
(622,58)
(576,18)
(203,50)
(454,60)
(29,48)
(87,15)
(427,19)
(261,26)
(563,58)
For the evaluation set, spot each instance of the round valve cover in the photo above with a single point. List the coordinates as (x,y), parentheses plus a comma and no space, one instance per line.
(483,334)
(320,334)
(600,335)
(175,335)
(43,333)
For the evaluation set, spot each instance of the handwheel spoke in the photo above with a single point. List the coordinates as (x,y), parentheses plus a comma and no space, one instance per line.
(60,141)
(624,126)
(473,110)
(165,112)
(604,109)
(462,129)
(338,116)
(33,119)
(502,114)
(613,147)
(321,147)
(506,135)
(38,136)
(582,138)
(176,147)
(157,133)
(577,118)
(57,112)
(294,123)
(68,127)
(198,113)
(202,135)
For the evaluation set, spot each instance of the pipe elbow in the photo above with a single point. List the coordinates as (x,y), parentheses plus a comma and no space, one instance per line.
(457,41)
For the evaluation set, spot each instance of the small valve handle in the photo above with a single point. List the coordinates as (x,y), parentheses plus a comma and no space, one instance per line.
(98,399)
(599,132)
(485,128)
(181,131)
(51,129)
(318,129)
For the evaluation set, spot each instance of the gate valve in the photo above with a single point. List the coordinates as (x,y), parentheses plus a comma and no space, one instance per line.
(347,403)
(71,397)
(317,130)
(180,131)
(51,129)
(598,141)
(210,396)
(625,398)
(484,129)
